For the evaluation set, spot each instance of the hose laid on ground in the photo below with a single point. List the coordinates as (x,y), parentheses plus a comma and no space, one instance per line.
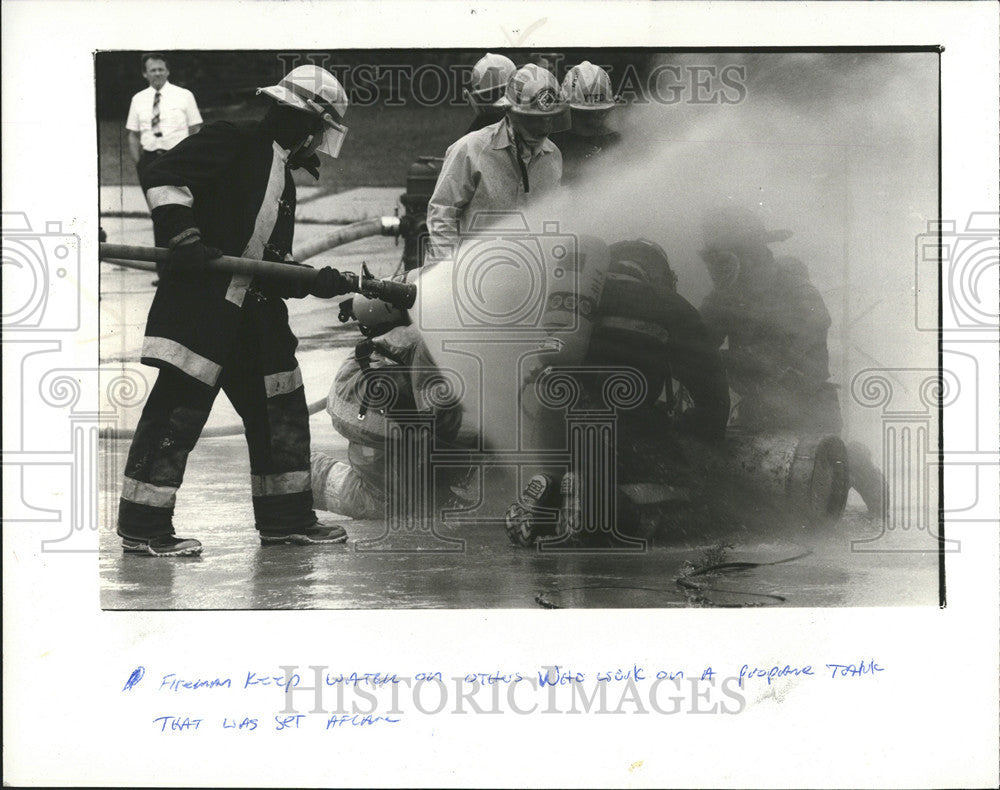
(209,433)
(378,226)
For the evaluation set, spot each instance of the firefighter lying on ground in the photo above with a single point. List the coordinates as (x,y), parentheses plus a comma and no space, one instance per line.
(776,324)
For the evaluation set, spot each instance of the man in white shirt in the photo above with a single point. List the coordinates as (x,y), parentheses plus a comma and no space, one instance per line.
(160,116)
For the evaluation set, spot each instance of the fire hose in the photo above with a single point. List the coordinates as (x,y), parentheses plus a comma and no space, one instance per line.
(398,295)
(378,226)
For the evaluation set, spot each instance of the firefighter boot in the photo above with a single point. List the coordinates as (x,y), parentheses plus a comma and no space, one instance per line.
(160,545)
(318,532)
(533,515)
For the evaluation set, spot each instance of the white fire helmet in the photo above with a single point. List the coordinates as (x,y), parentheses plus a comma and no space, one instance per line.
(489,80)
(317,92)
(588,87)
(532,95)
(531,90)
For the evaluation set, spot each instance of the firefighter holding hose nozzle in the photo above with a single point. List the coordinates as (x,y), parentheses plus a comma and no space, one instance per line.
(229,190)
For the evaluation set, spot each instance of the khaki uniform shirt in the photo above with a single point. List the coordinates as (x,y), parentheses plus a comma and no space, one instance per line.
(481,174)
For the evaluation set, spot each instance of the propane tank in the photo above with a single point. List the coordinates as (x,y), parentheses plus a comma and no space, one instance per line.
(807,475)
(421,178)
(779,477)
(574,283)
(573,291)
(762,481)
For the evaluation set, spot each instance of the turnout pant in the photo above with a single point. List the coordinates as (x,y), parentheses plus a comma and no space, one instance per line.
(262,380)
(355,489)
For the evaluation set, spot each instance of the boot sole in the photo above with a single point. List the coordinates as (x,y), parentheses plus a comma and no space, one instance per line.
(298,540)
(129,547)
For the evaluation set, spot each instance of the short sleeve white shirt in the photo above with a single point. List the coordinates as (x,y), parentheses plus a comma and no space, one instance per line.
(178,112)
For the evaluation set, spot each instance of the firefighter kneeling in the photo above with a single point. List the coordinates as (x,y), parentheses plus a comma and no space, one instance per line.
(641,323)
(390,372)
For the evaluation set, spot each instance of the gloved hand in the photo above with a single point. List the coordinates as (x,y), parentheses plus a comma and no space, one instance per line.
(329,283)
(187,258)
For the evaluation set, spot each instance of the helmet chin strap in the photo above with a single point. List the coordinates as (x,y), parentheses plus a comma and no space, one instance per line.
(308,162)
(303,143)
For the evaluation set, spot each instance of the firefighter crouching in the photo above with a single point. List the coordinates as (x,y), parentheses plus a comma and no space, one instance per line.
(229,190)
(776,324)
(390,372)
(641,322)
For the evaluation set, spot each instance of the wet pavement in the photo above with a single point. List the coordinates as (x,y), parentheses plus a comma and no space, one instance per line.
(756,568)
(850,564)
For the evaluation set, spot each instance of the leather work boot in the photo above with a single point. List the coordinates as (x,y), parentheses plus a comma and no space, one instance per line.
(160,545)
(316,533)
(534,514)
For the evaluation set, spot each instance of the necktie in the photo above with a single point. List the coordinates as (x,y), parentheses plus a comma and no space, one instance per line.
(155,124)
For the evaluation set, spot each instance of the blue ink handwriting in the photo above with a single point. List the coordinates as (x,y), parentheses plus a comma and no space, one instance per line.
(773,673)
(134,678)
(855,670)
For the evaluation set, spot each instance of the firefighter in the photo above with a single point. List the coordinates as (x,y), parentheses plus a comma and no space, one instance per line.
(388,374)
(643,323)
(776,324)
(486,88)
(229,190)
(502,167)
(587,90)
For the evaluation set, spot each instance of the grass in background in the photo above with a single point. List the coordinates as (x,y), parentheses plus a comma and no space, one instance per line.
(381,145)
